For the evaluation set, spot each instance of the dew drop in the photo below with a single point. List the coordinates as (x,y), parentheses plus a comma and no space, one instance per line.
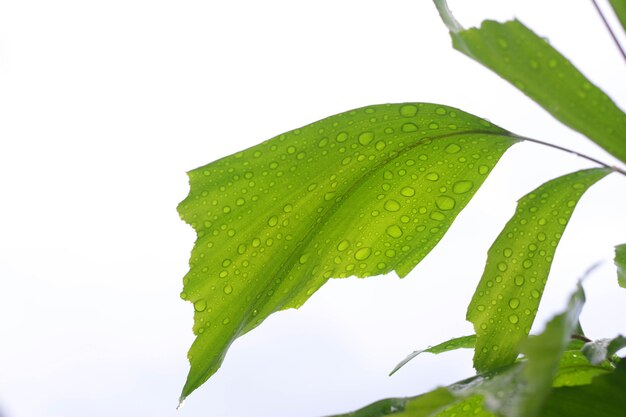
(527,263)
(342,137)
(461,187)
(445,202)
(409,127)
(394,231)
(502,266)
(362,253)
(480,307)
(343,245)
(535,294)
(453,148)
(519,280)
(513,319)
(392,205)
(200,305)
(514,303)
(435,215)
(226,321)
(408,191)
(440,111)
(408,110)
(365,138)
(508,252)
(483,169)
(228,289)
(272,221)
(432,176)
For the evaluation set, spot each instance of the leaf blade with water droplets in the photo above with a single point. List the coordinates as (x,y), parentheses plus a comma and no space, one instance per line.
(504,305)
(361,193)
(542,73)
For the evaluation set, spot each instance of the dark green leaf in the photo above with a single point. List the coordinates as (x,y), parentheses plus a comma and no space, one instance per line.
(619,7)
(620,262)
(602,350)
(361,193)
(604,397)
(505,303)
(452,344)
(527,61)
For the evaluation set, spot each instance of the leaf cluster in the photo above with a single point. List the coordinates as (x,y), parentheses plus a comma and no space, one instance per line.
(373,190)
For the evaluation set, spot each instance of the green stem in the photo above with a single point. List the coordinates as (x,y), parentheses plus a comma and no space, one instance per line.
(551,145)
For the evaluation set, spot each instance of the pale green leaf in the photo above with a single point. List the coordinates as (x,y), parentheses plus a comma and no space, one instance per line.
(361,193)
(505,302)
(463,342)
(602,350)
(619,7)
(531,64)
(620,262)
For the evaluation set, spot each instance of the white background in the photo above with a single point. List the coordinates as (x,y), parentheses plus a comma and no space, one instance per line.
(105,105)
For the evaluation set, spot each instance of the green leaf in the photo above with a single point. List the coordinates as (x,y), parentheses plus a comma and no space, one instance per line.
(602,350)
(604,397)
(575,369)
(463,342)
(361,193)
(527,61)
(505,302)
(619,7)
(620,262)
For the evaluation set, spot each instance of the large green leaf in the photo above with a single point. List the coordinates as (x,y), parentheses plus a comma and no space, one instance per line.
(619,7)
(505,302)
(620,262)
(463,342)
(530,63)
(361,193)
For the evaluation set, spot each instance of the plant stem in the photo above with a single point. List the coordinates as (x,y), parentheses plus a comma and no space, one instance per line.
(551,145)
(619,46)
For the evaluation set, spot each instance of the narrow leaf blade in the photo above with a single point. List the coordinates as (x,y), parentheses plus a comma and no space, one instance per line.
(504,305)
(463,342)
(620,262)
(362,193)
(531,64)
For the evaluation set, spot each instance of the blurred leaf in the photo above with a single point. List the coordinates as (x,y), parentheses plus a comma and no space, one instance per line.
(543,354)
(602,350)
(604,397)
(362,193)
(527,61)
(619,7)
(620,262)
(462,342)
(505,303)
